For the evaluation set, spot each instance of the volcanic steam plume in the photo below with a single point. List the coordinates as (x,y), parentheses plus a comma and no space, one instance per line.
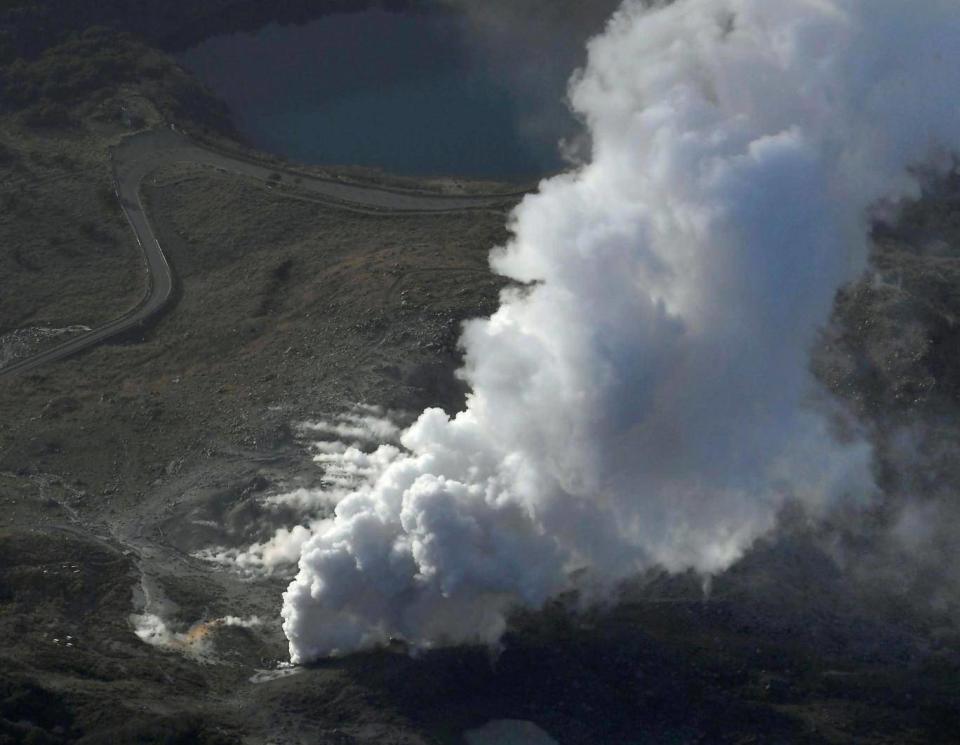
(643,397)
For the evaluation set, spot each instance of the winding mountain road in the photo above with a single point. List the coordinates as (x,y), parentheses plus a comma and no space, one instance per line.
(141,154)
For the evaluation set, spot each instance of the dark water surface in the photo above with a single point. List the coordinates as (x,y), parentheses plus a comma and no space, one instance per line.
(407,93)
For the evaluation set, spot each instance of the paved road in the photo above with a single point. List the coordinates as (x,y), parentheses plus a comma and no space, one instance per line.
(141,154)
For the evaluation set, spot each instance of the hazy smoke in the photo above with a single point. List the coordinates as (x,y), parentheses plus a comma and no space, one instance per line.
(351,451)
(195,640)
(647,398)
(532,45)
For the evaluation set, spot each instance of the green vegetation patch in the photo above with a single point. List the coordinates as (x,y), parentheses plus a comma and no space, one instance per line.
(66,74)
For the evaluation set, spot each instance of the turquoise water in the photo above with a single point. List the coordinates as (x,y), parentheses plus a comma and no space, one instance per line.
(405,93)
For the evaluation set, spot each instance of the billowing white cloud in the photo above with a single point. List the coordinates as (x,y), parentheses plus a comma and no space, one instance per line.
(646,399)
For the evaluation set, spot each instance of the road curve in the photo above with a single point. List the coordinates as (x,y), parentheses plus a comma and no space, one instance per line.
(141,154)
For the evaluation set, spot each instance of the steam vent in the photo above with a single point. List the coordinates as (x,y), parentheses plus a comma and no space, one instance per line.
(433,372)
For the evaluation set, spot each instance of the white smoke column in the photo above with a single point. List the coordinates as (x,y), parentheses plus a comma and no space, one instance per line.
(647,400)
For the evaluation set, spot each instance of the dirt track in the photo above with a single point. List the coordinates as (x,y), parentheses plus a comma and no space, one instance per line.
(142,154)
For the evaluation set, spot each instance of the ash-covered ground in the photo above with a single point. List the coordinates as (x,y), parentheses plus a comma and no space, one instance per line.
(119,467)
